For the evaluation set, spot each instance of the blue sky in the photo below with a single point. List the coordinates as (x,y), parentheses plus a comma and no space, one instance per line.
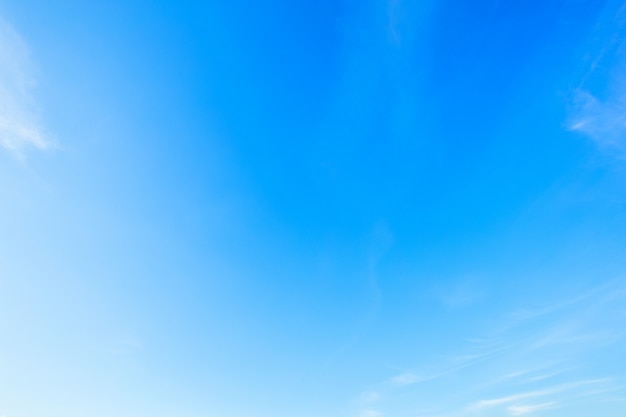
(312,209)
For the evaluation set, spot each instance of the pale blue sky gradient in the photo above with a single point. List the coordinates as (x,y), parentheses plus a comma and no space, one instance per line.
(312,209)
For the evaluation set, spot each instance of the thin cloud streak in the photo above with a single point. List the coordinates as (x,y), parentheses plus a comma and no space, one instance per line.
(515,403)
(520,410)
(509,399)
(547,346)
(604,119)
(407,379)
(19,125)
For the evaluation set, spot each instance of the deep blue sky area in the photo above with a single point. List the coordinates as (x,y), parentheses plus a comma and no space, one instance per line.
(312,209)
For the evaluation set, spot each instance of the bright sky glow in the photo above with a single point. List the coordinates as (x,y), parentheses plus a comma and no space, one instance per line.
(274,208)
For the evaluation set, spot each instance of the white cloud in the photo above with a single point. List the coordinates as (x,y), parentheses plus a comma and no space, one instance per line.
(512,402)
(510,399)
(520,410)
(599,103)
(602,121)
(19,127)
(406,379)
(502,372)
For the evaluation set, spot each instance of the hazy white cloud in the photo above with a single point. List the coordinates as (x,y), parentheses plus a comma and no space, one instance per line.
(19,125)
(599,103)
(406,379)
(536,359)
(604,121)
(514,404)
(520,410)
(510,399)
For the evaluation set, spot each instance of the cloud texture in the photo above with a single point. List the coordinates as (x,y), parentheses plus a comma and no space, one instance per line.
(19,125)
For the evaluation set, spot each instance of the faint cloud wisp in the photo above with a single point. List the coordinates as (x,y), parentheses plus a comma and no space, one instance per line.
(540,361)
(406,379)
(599,103)
(602,121)
(520,410)
(19,127)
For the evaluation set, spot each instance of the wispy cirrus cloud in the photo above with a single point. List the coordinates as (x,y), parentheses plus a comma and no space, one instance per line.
(521,410)
(455,365)
(599,103)
(19,124)
(518,404)
(407,378)
(495,402)
(539,361)
(602,121)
